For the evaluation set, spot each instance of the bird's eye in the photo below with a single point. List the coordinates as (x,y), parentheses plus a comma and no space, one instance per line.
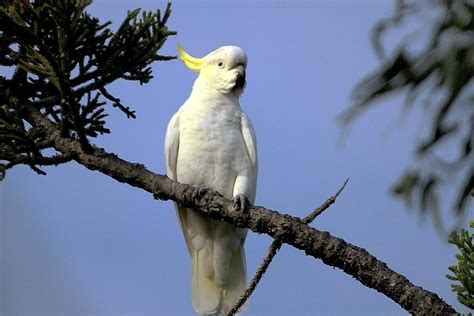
(220,64)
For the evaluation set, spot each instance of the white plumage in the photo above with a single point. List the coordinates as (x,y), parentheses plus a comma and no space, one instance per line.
(211,142)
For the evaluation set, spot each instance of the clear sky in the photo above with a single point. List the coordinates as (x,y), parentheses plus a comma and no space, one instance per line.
(79,243)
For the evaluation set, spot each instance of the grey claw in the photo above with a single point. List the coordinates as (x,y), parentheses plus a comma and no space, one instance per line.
(240,203)
(199,192)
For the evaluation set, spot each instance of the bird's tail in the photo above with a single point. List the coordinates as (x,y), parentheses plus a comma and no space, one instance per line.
(208,297)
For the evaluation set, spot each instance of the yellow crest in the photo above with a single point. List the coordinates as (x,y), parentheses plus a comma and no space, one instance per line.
(193,63)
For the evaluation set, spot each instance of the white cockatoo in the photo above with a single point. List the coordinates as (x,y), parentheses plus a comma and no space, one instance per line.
(210,142)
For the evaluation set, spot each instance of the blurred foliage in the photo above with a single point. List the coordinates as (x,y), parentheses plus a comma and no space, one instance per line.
(463,272)
(60,61)
(434,68)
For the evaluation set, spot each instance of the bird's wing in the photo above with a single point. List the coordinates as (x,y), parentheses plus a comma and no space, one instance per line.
(250,141)
(172,146)
(248,133)
(171,156)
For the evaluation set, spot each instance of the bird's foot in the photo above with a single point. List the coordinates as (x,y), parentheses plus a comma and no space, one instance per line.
(240,203)
(199,192)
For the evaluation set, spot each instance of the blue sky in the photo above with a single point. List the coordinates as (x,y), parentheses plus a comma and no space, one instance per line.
(78,243)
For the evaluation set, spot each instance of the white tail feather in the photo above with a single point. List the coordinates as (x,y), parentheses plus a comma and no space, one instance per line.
(212,299)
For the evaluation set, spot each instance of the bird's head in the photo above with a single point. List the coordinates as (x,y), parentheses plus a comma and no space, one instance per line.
(222,69)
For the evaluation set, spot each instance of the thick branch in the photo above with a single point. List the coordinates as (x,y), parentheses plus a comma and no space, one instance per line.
(333,251)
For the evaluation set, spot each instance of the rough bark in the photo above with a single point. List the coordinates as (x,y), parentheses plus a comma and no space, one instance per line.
(333,251)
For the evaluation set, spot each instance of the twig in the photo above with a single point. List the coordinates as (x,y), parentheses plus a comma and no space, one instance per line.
(308,219)
(116,103)
(273,249)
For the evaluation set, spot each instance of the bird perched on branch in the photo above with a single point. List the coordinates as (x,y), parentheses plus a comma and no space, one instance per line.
(211,142)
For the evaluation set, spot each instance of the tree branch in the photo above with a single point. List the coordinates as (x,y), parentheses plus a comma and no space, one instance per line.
(273,250)
(333,251)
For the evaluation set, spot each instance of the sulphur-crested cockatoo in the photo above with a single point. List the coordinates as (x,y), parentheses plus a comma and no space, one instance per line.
(210,142)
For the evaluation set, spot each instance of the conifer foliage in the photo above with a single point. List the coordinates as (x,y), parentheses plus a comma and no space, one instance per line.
(463,271)
(58,60)
(434,66)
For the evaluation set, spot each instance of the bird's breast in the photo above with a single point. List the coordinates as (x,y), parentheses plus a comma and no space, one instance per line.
(211,148)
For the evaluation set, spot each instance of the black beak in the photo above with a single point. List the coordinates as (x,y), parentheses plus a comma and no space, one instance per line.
(240,81)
